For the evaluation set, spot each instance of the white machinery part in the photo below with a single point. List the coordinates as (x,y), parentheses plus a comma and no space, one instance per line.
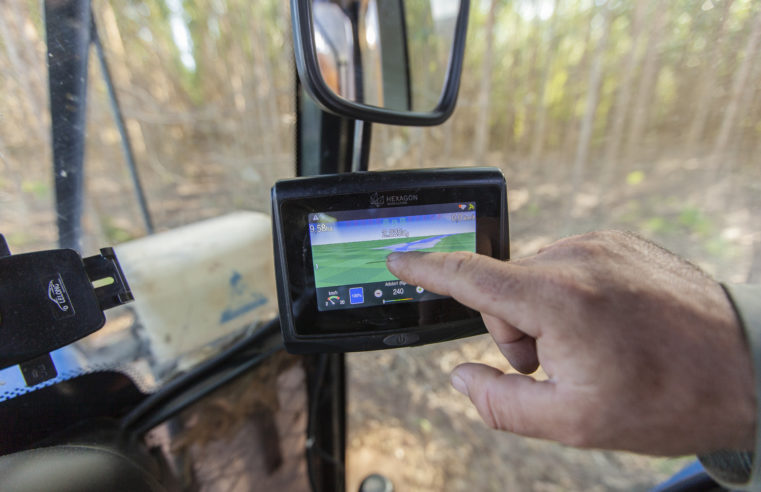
(199,283)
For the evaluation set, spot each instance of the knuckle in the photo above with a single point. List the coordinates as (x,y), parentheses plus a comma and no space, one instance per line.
(573,285)
(599,235)
(627,237)
(459,261)
(590,247)
(583,246)
(588,295)
(605,236)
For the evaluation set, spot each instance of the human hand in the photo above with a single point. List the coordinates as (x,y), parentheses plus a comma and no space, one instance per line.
(642,349)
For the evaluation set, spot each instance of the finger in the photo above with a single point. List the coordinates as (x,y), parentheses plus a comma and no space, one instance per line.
(521,355)
(516,346)
(502,331)
(480,282)
(511,402)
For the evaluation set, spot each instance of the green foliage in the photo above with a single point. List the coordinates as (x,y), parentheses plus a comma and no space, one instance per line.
(695,221)
(687,221)
(658,226)
(635,177)
(425,425)
(40,189)
(114,233)
(719,247)
(670,466)
(565,38)
(533,209)
(19,238)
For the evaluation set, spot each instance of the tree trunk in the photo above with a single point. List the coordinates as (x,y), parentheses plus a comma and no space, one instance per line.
(533,95)
(447,130)
(623,99)
(267,88)
(739,86)
(754,272)
(750,112)
(421,138)
(537,144)
(707,81)
(576,84)
(592,98)
(481,140)
(22,69)
(643,101)
(120,73)
(512,103)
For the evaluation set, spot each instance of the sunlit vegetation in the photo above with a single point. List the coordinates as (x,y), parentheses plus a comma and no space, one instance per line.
(635,114)
(207,91)
(600,108)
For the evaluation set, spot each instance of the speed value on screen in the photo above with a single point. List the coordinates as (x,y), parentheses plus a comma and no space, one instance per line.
(320,226)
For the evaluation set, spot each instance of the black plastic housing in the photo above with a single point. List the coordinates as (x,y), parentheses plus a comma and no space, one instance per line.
(308,330)
(47,300)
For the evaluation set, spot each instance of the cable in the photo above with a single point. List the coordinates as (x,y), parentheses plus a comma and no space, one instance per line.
(200,373)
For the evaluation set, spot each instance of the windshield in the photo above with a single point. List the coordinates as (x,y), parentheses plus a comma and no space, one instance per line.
(206,93)
(207,96)
(635,115)
(638,115)
(208,112)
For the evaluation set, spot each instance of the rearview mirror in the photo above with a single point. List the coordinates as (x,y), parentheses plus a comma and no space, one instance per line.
(387,61)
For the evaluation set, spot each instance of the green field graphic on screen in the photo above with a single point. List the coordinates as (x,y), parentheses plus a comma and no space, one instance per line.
(359,262)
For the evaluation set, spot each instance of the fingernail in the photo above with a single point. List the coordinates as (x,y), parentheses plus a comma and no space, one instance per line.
(459,384)
(393,257)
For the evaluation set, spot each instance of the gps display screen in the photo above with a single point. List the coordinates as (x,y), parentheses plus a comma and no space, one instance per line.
(333,233)
(349,250)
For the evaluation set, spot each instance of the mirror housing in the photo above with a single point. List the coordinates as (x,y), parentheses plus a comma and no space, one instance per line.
(341,93)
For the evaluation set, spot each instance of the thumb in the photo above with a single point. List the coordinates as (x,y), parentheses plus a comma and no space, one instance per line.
(511,402)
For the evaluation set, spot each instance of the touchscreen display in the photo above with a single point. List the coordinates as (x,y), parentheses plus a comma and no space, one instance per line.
(349,250)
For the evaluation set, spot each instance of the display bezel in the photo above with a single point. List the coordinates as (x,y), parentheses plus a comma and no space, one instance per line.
(309,322)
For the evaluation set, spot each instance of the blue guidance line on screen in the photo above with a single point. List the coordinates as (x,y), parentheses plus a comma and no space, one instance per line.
(349,250)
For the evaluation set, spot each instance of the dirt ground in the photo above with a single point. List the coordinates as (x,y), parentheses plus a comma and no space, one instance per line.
(405,420)
(407,423)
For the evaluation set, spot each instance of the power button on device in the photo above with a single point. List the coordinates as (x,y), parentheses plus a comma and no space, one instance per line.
(400,339)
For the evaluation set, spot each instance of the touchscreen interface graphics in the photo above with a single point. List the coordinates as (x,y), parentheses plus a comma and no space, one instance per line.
(349,250)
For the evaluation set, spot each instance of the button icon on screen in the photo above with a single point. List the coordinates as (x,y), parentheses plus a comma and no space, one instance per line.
(419,289)
(356,295)
(378,293)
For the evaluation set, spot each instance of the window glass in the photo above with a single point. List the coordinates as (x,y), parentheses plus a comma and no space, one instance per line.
(206,89)
(636,115)
(208,105)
